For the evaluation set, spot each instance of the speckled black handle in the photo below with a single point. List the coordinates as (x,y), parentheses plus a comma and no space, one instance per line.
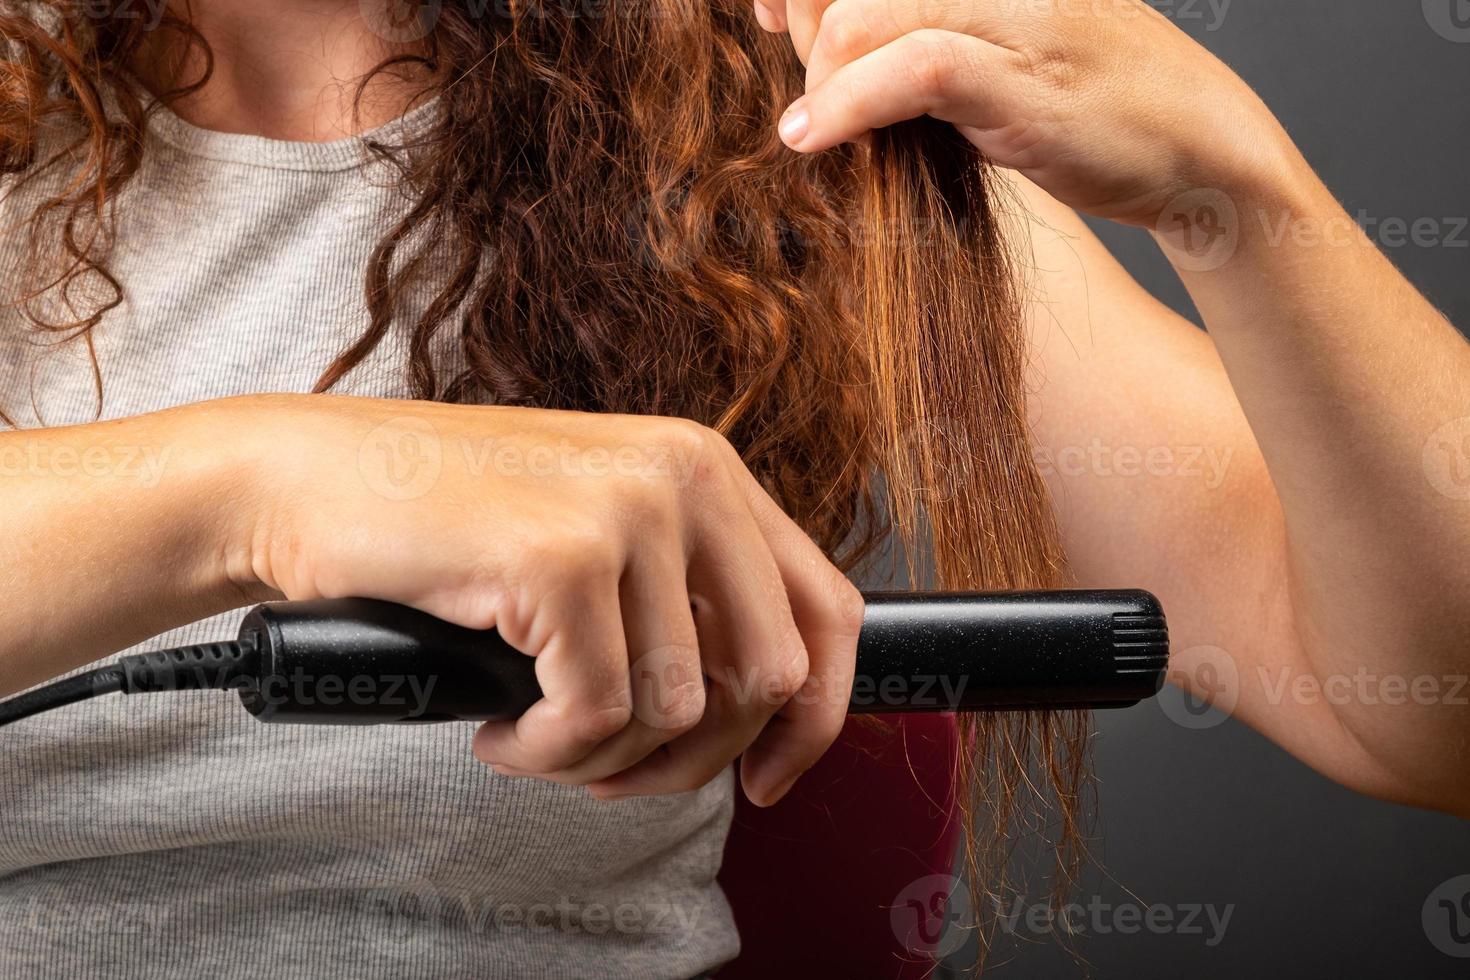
(365,662)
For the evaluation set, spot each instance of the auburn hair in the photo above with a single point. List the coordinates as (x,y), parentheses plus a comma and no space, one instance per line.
(605,220)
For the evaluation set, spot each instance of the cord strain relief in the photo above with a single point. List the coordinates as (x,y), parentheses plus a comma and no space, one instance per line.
(203,667)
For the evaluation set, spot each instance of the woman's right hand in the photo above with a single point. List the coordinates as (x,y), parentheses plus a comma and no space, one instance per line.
(632,556)
(1105,104)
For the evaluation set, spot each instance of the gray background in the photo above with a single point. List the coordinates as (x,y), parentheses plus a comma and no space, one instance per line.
(1323,883)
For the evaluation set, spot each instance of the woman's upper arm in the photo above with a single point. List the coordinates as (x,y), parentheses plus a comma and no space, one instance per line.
(1158,484)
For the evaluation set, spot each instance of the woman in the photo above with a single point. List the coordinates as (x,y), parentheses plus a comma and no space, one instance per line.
(190,213)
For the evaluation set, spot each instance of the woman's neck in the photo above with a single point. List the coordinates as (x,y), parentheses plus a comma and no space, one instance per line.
(284,69)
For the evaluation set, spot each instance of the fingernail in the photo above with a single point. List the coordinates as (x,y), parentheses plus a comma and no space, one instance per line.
(777,793)
(794,125)
(766,19)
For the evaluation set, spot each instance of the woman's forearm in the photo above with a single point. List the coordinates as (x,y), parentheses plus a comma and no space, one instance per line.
(1358,393)
(112,532)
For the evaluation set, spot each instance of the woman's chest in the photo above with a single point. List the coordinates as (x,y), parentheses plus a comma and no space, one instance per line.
(216,282)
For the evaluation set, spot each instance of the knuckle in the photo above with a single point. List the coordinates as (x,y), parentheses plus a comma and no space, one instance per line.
(580,550)
(651,505)
(1048,59)
(705,456)
(845,33)
(686,435)
(931,63)
(849,607)
(692,449)
(685,708)
(669,693)
(592,725)
(789,674)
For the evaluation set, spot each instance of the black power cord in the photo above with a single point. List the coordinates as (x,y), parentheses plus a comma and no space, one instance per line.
(205,667)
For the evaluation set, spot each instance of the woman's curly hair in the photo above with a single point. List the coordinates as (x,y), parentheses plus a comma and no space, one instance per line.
(603,219)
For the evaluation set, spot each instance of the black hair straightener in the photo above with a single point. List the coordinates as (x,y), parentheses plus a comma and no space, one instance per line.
(365,662)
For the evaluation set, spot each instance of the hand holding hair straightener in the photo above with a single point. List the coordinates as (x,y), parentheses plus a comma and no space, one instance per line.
(366,662)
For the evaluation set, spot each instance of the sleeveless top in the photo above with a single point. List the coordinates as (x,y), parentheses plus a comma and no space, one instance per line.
(175,836)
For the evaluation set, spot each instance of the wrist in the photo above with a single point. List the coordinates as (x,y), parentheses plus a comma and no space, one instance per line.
(1249,196)
(241,450)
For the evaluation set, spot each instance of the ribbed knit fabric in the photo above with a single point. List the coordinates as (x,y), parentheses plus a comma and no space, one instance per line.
(173,835)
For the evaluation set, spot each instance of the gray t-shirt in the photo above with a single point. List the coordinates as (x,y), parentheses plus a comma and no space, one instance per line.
(174,836)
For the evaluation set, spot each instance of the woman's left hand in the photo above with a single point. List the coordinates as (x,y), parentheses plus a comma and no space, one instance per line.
(1108,106)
